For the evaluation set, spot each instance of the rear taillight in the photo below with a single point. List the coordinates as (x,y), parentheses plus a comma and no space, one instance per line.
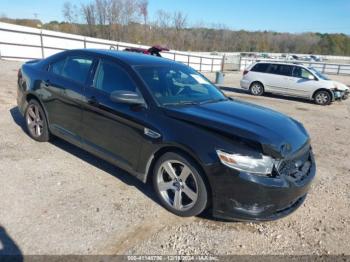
(245,72)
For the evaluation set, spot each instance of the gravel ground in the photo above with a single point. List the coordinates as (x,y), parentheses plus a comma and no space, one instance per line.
(58,199)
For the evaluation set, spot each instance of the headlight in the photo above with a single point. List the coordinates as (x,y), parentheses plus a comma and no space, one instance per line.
(263,165)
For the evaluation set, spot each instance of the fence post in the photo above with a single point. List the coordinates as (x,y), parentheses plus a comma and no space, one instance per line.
(174,56)
(338,70)
(42,44)
(84,42)
(212,65)
(188,60)
(324,68)
(223,63)
(200,64)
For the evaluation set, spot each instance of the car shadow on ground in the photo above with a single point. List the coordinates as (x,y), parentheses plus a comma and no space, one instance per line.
(270,95)
(125,177)
(9,250)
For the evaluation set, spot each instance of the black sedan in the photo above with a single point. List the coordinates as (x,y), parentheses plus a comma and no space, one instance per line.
(163,121)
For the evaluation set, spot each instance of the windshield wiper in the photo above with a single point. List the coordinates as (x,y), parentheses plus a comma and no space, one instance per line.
(180,103)
(213,101)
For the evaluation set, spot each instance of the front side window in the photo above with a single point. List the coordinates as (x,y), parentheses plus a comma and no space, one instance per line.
(111,77)
(301,73)
(75,68)
(179,85)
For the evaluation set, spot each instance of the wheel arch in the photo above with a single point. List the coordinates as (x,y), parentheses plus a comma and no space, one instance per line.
(259,82)
(31,96)
(323,89)
(181,151)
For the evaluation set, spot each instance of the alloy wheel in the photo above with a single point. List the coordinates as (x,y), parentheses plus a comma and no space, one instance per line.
(256,89)
(177,185)
(322,98)
(35,121)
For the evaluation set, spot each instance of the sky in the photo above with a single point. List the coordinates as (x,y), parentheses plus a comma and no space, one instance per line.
(295,16)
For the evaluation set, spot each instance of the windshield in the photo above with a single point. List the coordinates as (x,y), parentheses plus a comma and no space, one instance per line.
(179,85)
(318,74)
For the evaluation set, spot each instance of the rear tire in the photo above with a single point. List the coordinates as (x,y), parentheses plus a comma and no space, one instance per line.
(256,89)
(36,122)
(179,185)
(322,98)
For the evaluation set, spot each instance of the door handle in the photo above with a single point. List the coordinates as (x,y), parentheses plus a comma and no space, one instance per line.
(93,101)
(47,83)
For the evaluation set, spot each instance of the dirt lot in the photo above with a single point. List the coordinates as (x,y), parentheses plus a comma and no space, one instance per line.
(58,199)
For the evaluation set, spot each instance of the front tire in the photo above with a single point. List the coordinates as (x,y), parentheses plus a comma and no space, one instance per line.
(36,122)
(322,98)
(256,89)
(179,184)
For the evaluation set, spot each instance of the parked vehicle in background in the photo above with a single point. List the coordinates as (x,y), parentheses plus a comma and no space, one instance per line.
(164,122)
(315,58)
(292,80)
(290,57)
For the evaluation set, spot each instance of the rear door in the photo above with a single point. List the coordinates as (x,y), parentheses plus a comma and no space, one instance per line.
(63,92)
(277,78)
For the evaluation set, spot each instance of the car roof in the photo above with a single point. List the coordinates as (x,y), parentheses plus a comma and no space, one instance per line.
(280,63)
(131,58)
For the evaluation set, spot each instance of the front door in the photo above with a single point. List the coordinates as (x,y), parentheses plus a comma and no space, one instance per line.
(302,83)
(278,78)
(113,130)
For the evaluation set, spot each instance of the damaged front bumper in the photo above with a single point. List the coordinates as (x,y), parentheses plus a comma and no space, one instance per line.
(340,94)
(247,197)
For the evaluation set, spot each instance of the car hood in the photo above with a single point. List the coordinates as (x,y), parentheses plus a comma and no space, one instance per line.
(340,86)
(278,134)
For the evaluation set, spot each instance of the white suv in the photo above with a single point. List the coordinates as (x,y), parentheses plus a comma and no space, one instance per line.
(292,80)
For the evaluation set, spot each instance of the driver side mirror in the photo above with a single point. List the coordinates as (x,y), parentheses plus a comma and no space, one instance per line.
(127,97)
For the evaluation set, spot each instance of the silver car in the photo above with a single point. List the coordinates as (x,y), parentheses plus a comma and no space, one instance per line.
(292,80)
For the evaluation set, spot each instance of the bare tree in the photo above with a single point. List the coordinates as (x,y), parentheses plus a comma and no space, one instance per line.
(143,10)
(89,14)
(163,19)
(114,18)
(179,20)
(70,14)
(129,16)
(101,16)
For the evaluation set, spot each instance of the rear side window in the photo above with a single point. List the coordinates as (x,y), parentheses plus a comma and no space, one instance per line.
(75,68)
(277,69)
(261,68)
(56,67)
(285,70)
(272,69)
(111,77)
